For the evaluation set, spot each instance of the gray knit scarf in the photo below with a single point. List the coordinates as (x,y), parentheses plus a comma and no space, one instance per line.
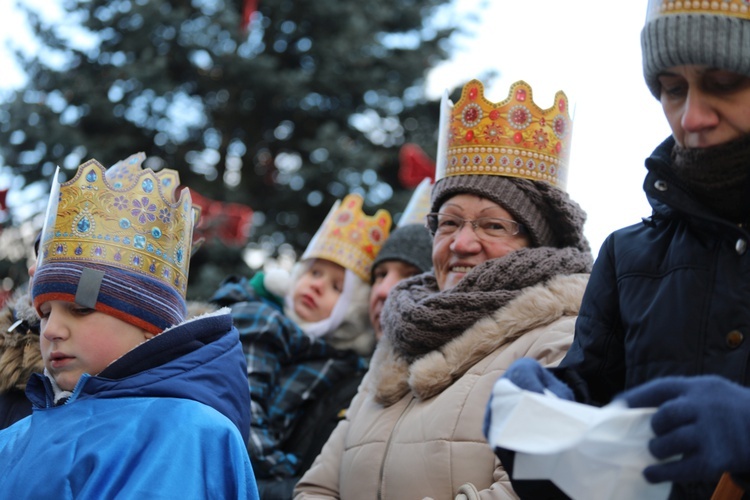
(418,318)
(718,177)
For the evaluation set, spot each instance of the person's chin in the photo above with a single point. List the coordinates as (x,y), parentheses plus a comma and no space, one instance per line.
(304,313)
(67,381)
(452,280)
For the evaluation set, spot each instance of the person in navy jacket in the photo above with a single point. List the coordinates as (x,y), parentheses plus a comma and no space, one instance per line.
(665,320)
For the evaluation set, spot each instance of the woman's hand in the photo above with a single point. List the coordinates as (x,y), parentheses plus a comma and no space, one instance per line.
(703,423)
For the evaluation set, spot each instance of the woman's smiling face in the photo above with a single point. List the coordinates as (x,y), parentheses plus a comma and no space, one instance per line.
(455,255)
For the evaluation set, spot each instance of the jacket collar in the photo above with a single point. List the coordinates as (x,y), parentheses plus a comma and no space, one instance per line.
(535,307)
(200,360)
(670,201)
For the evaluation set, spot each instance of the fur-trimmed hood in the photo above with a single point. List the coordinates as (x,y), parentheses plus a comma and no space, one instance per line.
(19,342)
(537,306)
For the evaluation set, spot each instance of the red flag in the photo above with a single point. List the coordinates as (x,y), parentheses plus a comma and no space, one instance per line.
(249,8)
(230,222)
(414,166)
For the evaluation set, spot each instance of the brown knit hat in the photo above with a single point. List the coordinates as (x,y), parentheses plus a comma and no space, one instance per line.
(551,217)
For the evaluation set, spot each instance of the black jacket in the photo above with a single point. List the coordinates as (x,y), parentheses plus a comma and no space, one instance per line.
(667,296)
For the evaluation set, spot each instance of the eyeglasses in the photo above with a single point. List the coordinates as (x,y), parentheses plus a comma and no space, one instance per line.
(484,227)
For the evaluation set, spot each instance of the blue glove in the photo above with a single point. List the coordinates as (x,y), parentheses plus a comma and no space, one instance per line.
(704,419)
(528,374)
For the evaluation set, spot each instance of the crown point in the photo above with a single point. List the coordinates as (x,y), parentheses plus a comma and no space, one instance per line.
(350,238)
(481,137)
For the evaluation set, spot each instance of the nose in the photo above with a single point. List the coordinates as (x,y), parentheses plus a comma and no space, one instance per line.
(53,327)
(381,289)
(316,284)
(698,113)
(465,240)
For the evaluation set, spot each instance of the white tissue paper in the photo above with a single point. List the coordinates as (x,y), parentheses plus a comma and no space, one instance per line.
(588,452)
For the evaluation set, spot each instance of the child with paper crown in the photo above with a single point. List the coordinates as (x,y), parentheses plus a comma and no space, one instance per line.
(134,400)
(297,353)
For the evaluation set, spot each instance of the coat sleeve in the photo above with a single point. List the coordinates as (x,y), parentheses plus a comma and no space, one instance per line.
(547,345)
(271,342)
(594,366)
(322,479)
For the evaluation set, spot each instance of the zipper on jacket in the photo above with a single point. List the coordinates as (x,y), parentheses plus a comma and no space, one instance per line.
(388,446)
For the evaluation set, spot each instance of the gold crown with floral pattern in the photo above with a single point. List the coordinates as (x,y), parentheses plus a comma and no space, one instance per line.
(350,238)
(731,8)
(125,217)
(512,138)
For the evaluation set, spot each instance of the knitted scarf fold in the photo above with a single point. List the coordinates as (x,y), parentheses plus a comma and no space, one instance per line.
(718,177)
(418,318)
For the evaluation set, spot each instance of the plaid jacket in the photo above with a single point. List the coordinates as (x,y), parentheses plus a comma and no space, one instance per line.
(286,371)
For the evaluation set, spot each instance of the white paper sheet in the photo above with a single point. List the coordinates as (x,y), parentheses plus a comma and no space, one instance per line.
(588,452)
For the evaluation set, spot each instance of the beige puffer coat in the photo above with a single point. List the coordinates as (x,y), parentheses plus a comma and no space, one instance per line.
(429,442)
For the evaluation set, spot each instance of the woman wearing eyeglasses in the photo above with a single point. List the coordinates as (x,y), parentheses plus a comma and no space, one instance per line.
(510,267)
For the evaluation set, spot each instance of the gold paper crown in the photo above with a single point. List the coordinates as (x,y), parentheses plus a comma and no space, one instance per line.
(125,218)
(419,205)
(731,8)
(514,138)
(350,238)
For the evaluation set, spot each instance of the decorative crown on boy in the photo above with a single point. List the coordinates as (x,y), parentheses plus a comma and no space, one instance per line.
(350,238)
(512,138)
(118,241)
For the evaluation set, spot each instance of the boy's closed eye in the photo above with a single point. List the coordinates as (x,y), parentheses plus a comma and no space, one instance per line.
(45,310)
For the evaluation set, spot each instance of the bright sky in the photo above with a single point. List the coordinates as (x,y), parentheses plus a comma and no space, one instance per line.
(588,49)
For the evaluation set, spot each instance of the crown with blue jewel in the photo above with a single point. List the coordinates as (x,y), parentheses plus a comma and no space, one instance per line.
(127,217)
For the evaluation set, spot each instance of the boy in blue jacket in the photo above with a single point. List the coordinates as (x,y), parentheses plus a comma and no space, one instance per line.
(135,402)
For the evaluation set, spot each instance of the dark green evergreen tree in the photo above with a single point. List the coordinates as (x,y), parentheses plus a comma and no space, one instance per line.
(308,103)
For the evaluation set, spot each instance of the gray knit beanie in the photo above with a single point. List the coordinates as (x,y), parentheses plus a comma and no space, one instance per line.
(411,244)
(716,34)
(551,217)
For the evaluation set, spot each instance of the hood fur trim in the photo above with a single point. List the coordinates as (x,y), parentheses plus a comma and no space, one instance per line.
(20,354)
(427,376)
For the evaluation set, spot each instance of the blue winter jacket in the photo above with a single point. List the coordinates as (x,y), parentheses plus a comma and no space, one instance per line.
(167,420)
